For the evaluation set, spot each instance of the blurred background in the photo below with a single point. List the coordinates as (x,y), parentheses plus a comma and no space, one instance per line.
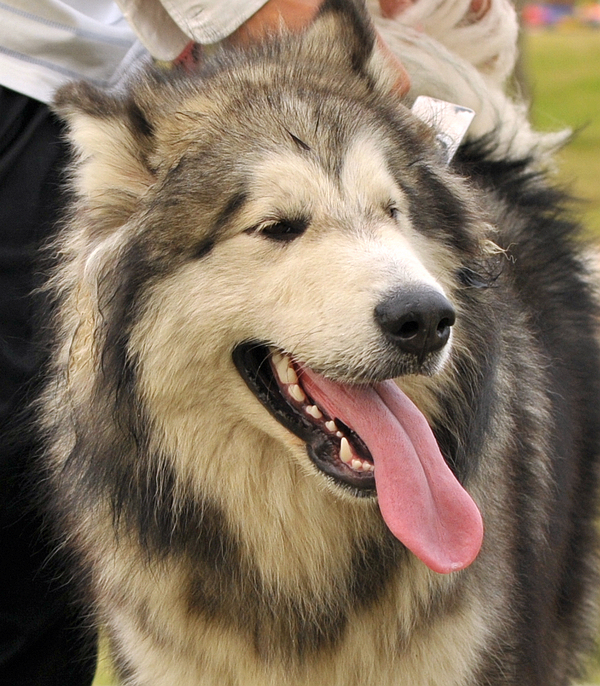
(560,76)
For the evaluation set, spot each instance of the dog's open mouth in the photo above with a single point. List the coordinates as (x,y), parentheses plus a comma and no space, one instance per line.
(373,439)
(334,447)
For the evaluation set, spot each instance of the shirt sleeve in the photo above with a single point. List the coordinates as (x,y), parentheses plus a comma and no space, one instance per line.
(165,26)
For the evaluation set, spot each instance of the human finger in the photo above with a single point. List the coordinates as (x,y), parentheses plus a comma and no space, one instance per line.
(293,15)
(477,10)
(402,84)
(392,8)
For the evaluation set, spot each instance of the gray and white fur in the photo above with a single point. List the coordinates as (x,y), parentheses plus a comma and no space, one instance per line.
(276,198)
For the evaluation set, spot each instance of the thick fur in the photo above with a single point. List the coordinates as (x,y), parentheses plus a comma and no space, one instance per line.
(211,547)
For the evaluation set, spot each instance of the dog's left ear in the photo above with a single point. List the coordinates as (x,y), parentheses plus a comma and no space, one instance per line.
(346,28)
(111,139)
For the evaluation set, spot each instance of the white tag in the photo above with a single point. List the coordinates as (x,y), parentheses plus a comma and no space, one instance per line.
(450,122)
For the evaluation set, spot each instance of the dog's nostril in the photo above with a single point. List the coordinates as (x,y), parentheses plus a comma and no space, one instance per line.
(444,326)
(417,320)
(408,330)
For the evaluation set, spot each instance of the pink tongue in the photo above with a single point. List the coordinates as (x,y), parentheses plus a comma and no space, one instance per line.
(420,499)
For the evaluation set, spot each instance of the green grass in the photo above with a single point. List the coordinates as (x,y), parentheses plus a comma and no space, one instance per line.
(104,675)
(563,68)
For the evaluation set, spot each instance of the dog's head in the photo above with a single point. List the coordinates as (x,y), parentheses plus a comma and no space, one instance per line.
(278,231)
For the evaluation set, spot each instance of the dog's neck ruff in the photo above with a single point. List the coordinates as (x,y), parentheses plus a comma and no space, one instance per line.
(420,499)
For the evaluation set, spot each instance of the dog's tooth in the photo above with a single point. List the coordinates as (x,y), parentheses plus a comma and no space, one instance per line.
(314,411)
(331,426)
(368,467)
(339,434)
(345,451)
(296,392)
(281,365)
(357,465)
(292,377)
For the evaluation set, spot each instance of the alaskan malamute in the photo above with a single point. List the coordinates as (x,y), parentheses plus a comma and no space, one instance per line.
(256,251)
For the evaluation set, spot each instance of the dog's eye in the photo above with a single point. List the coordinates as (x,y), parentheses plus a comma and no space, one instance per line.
(393,211)
(284,230)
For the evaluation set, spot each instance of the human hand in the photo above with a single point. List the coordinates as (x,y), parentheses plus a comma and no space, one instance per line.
(293,14)
(392,8)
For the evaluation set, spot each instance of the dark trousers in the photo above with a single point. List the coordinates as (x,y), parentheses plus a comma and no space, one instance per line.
(45,638)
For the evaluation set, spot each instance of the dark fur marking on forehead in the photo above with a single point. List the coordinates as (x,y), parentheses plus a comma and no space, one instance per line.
(230,210)
(203,249)
(300,143)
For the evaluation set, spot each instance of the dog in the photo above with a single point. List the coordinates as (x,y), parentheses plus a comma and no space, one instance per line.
(322,408)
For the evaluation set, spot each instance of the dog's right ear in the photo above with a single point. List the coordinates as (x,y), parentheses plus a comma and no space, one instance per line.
(112,140)
(354,28)
(347,29)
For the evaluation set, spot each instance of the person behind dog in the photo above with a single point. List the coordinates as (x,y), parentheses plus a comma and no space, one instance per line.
(45,637)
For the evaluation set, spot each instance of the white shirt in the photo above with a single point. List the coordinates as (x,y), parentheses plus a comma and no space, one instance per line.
(204,21)
(46,43)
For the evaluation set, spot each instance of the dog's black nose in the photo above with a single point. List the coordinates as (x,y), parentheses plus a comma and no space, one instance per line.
(416,320)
